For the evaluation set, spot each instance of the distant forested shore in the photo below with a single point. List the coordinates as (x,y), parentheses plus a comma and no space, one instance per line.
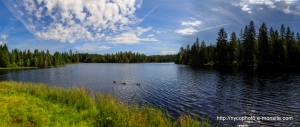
(26,58)
(267,48)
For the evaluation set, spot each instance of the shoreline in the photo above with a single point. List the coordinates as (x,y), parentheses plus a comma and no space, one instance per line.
(30,104)
(14,68)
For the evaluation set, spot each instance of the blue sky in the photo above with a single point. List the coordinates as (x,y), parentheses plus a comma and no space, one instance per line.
(146,26)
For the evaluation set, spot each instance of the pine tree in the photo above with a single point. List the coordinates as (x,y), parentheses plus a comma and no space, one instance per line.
(222,53)
(4,57)
(263,42)
(233,49)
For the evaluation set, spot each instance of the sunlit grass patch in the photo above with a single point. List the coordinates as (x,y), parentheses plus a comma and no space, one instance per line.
(27,104)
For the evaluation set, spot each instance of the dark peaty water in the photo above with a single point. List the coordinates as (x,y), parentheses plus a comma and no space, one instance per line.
(181,89)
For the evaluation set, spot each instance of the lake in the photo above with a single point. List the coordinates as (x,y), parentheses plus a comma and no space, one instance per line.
(182,89)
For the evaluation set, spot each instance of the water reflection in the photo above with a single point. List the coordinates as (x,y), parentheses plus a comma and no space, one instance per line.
(178,89)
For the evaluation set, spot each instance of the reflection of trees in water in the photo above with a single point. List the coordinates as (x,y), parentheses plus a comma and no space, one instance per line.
(3,75)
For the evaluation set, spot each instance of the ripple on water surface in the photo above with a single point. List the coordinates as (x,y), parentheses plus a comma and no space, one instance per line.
(181,89)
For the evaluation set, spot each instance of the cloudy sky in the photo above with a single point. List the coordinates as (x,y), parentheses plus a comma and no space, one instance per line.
(146,26)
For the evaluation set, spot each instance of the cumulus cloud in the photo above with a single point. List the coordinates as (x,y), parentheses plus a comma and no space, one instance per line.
(187,31)
(168,52)
(4,36)
(246,8)
(1,43)
(69,20)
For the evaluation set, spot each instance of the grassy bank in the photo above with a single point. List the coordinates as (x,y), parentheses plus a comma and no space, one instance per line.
(27,104)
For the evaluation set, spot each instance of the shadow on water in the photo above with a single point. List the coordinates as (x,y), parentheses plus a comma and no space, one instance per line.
(3,75)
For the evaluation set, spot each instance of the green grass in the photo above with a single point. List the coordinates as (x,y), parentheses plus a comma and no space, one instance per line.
(27,104)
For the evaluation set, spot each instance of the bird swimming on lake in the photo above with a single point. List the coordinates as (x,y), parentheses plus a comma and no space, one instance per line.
(138,84)
(124,83)
(114,82)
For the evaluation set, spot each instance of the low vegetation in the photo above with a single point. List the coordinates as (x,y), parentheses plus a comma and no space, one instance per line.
(27,104)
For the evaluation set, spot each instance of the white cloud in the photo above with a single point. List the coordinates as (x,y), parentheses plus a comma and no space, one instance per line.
(69,20)
(287,10)
(168,52)
(104,47)
(278,4)
(160,31)
(246,8)
(187,31)
(129,37)
(140,30)
(193,23)
(149,39)
(2,43)
(126,38)
(271,1)
(4,36)
(270,4)
(150,35)
(92,47)
(215,9)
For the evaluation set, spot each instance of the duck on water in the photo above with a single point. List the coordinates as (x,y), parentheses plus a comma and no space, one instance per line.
(124,83)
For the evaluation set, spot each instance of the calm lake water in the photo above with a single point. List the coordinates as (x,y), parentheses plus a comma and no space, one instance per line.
(181,89)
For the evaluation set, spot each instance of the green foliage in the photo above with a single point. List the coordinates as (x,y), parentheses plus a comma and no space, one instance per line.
(4,56)
(268,48)
(45,59)
(124,57)
(222,47)
(26,104)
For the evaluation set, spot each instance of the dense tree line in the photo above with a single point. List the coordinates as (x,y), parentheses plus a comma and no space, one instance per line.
(38,58)
(125,57)
(268,47)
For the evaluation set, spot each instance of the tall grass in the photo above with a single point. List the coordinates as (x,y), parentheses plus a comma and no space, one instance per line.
(27,104)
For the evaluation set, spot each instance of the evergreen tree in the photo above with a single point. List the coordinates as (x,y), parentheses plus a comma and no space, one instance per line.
(195,52)
(203,53)
(222,52)
(4,56)
(233,49)
(282,46)
(250,44)
(263,42)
